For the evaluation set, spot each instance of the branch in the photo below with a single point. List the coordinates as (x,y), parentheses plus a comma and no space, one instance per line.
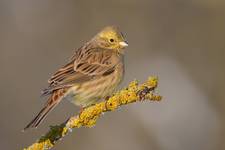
(88,117)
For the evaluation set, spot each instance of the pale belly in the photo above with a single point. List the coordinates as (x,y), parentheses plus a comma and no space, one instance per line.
(92,91)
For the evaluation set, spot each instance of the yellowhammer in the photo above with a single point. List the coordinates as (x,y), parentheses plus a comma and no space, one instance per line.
(93,72)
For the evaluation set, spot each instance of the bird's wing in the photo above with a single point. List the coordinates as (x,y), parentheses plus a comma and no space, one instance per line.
(95,63)
(84,67)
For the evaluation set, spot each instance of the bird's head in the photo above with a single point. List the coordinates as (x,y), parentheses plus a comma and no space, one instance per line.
(111,38)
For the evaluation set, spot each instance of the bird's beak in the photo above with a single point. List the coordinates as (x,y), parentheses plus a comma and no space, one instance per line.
(123,44)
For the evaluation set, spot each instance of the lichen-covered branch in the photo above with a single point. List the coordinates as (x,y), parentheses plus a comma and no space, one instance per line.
(88,117)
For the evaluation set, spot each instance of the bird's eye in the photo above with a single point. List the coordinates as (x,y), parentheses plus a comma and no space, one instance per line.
(111,40)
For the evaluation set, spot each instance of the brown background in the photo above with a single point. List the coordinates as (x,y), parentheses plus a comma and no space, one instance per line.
(182,42)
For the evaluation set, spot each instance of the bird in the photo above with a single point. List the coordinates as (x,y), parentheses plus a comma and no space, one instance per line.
(92,73)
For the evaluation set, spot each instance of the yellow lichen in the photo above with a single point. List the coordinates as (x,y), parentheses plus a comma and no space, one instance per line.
(40,145)
(92,121)
(152,97)
(88,117)
(112,103)
(74,122)
(65,130)
(152,81)
(133,86)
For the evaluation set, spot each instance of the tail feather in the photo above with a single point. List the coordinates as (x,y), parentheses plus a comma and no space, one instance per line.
(52,102)
(40,117)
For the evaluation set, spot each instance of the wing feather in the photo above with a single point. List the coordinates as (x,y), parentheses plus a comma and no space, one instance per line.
(87,65)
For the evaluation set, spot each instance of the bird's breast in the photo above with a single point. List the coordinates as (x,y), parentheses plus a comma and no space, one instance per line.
(98,88)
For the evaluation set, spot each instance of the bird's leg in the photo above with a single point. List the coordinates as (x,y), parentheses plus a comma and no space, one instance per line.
(81,109)
(107,97)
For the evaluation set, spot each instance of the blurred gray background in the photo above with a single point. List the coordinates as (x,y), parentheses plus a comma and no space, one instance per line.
(182,42)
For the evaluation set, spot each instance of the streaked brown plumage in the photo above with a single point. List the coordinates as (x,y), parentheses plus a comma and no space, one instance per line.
(93,72)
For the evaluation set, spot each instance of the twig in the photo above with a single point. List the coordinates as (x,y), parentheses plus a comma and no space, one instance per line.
(88,117)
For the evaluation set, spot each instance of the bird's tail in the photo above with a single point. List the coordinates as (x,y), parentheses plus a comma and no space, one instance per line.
(52,102)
